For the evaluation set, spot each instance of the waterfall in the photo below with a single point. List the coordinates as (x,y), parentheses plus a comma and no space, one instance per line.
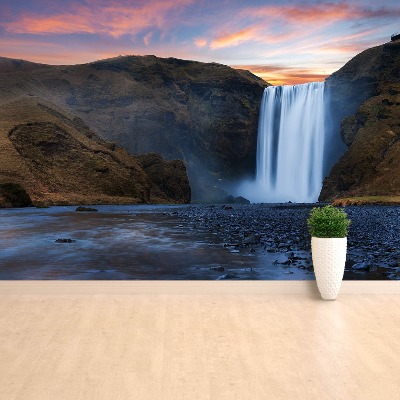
(290,147)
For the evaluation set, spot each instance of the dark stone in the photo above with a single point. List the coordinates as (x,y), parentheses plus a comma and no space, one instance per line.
(227,276)
(14,195)
(168,178)
(81,208)
(251,239)
(65,241)
(373,232)
(219,269)
(362,266)
(235,200)
(394,264)
(349,264)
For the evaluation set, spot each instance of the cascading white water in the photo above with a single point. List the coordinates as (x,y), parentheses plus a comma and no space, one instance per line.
(290,147)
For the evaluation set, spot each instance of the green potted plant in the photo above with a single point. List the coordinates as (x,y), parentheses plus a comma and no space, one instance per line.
(328,227)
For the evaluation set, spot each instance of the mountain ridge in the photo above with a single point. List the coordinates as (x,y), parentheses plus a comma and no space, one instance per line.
(205,114)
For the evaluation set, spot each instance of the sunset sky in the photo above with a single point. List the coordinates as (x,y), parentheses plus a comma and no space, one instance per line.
(281,41)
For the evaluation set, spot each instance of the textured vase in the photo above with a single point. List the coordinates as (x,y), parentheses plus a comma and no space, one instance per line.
(329,259)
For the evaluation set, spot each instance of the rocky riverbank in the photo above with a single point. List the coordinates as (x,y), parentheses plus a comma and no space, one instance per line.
(252,242)
(373,240)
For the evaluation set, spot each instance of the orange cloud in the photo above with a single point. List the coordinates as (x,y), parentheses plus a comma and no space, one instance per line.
(279,75)
(233,39)
(114,19)
(200,42)
(258,34)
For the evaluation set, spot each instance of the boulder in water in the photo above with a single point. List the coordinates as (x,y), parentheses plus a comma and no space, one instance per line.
(81,208)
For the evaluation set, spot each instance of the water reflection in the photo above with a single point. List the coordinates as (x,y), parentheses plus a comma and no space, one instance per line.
(121,242)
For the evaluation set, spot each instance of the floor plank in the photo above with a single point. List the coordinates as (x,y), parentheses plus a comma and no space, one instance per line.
(200,346)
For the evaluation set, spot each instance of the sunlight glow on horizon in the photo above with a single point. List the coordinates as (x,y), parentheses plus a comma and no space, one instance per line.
(285,42)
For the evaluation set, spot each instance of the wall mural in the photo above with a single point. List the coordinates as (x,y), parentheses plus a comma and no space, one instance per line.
(157,167)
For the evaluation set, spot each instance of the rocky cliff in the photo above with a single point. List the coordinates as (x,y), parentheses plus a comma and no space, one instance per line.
(365,101)
(49,157)
(203,114)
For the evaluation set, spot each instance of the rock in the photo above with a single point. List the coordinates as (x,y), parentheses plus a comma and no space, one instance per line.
(81,208)
(39,204)
(65,241)
(219,269)
(57,164)
(168,178)
(374,230)
(227,276)
(349,264)
(227,207)
(235,200)
(394,276)
(362,266)
(365,103)
(251,239)
(14,195)
(394,264)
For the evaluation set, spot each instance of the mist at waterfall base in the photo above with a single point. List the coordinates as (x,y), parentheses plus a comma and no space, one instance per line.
(292,145)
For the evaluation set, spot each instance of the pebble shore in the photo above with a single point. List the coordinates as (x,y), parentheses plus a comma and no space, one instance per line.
(373,240)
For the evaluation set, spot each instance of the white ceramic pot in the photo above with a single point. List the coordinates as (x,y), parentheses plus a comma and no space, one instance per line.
(329,259)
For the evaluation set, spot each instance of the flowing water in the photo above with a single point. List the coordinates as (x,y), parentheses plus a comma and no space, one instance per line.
(290,147)
(123,242)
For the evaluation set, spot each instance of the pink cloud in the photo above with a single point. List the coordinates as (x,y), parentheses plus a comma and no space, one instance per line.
(112,18)
(320,13)
(284,23)
(301,14)
(147,38)
(341,44)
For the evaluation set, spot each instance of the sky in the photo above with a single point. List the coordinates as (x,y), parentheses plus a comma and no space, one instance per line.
(284,42)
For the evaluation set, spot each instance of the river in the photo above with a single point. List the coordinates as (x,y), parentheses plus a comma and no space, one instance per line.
(255,242)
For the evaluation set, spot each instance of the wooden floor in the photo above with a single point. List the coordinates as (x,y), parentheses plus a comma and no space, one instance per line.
(171,347)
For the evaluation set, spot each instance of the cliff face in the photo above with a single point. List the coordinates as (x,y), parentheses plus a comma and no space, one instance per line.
(203,114)
(51,158)
(365,97)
